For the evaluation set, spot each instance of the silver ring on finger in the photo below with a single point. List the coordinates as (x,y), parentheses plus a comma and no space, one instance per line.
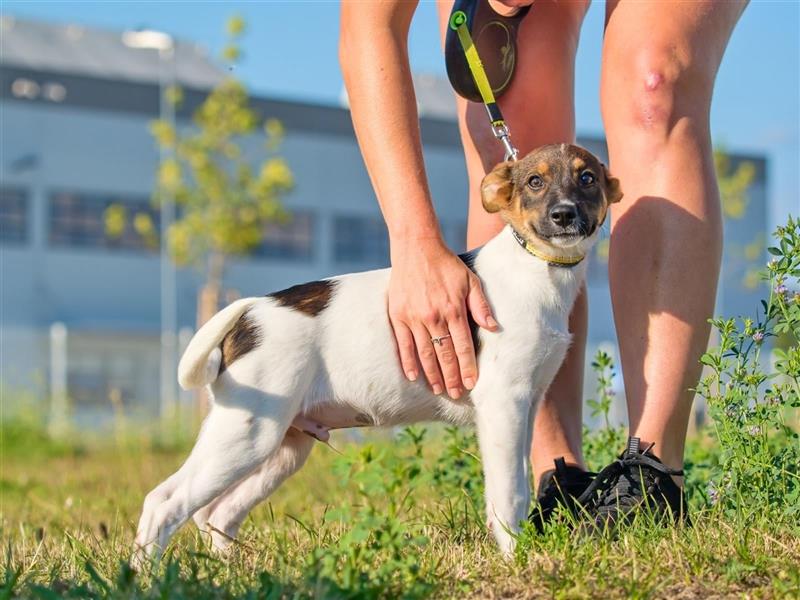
(437,341)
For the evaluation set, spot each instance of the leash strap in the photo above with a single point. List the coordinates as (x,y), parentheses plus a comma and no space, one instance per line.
(458,23)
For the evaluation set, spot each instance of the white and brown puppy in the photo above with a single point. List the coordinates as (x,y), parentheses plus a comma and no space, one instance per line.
(293,364)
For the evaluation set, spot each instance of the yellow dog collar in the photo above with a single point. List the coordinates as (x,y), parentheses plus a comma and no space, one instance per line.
(551,259)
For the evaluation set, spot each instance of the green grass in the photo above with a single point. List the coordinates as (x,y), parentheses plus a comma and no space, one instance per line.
(396,518)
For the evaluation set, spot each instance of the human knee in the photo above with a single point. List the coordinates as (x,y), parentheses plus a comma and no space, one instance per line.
(656,88)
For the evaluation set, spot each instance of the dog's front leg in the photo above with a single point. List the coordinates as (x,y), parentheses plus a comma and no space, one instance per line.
(503,431)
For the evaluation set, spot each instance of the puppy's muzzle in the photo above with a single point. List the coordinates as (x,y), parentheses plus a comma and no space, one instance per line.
(563,214)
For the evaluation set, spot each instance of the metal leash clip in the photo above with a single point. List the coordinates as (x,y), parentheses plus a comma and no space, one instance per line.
(462,57)
(502,133)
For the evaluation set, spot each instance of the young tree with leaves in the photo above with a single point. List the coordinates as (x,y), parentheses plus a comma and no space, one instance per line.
(224,201)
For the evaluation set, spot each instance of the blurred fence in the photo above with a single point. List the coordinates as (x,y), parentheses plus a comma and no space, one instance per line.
(86,380)
(93,380)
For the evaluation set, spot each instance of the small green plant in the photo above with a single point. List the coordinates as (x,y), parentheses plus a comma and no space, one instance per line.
(457,470)
(378,555)
(601,445)
(754,408)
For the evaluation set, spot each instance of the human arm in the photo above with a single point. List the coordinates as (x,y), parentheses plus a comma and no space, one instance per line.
(431,290)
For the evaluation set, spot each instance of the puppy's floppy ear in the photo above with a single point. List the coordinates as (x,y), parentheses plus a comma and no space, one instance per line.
(496,188)
(613,189)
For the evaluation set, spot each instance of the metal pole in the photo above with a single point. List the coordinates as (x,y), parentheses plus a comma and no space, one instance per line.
(169,392)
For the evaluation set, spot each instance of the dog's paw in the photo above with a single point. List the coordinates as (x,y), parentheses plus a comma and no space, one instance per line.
(504,537)
(506,543)
(221,543)
(141,560)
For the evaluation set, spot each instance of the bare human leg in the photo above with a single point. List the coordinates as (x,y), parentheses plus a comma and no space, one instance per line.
(540,111)
(660,60)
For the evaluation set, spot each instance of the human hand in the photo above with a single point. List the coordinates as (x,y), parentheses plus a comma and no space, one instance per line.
(430,293)
(514,3)
(502,6)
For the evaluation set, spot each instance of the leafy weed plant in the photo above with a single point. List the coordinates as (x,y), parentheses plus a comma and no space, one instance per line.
(754,409)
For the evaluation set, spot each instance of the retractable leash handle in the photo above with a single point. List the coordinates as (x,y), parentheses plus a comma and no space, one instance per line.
(496,35)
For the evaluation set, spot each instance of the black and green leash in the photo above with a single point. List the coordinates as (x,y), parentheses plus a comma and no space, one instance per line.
(475,30)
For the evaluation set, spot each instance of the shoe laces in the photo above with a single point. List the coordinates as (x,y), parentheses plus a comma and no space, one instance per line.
(558,487)
(627,480)
(563,481)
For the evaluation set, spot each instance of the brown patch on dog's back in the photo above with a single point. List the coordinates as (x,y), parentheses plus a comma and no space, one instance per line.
(308,298)
(241,339)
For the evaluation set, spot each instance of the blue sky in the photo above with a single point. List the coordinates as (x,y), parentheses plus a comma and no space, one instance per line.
(290,51)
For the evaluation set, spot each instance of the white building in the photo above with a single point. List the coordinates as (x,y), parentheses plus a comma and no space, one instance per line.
(75,104)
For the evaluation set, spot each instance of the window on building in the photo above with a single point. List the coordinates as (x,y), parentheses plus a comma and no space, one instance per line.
(102,221)
(292,240)
(360,240)
(13,215)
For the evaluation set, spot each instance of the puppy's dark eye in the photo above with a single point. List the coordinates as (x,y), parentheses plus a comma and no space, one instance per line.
(535,182)
(587,178)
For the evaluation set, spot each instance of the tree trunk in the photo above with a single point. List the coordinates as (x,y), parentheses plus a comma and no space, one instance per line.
(207,306)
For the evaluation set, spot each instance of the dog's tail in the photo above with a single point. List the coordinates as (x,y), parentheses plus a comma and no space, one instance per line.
(200,362)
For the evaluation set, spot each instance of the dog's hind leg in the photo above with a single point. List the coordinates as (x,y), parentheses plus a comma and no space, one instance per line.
(235,439)
(223,517)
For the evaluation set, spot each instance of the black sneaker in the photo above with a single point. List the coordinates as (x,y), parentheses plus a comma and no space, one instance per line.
(559,486)
(636,480)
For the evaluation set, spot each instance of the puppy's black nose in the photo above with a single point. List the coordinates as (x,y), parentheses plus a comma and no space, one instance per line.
(563,214)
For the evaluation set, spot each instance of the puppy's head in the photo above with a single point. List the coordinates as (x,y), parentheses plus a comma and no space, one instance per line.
(556,197)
